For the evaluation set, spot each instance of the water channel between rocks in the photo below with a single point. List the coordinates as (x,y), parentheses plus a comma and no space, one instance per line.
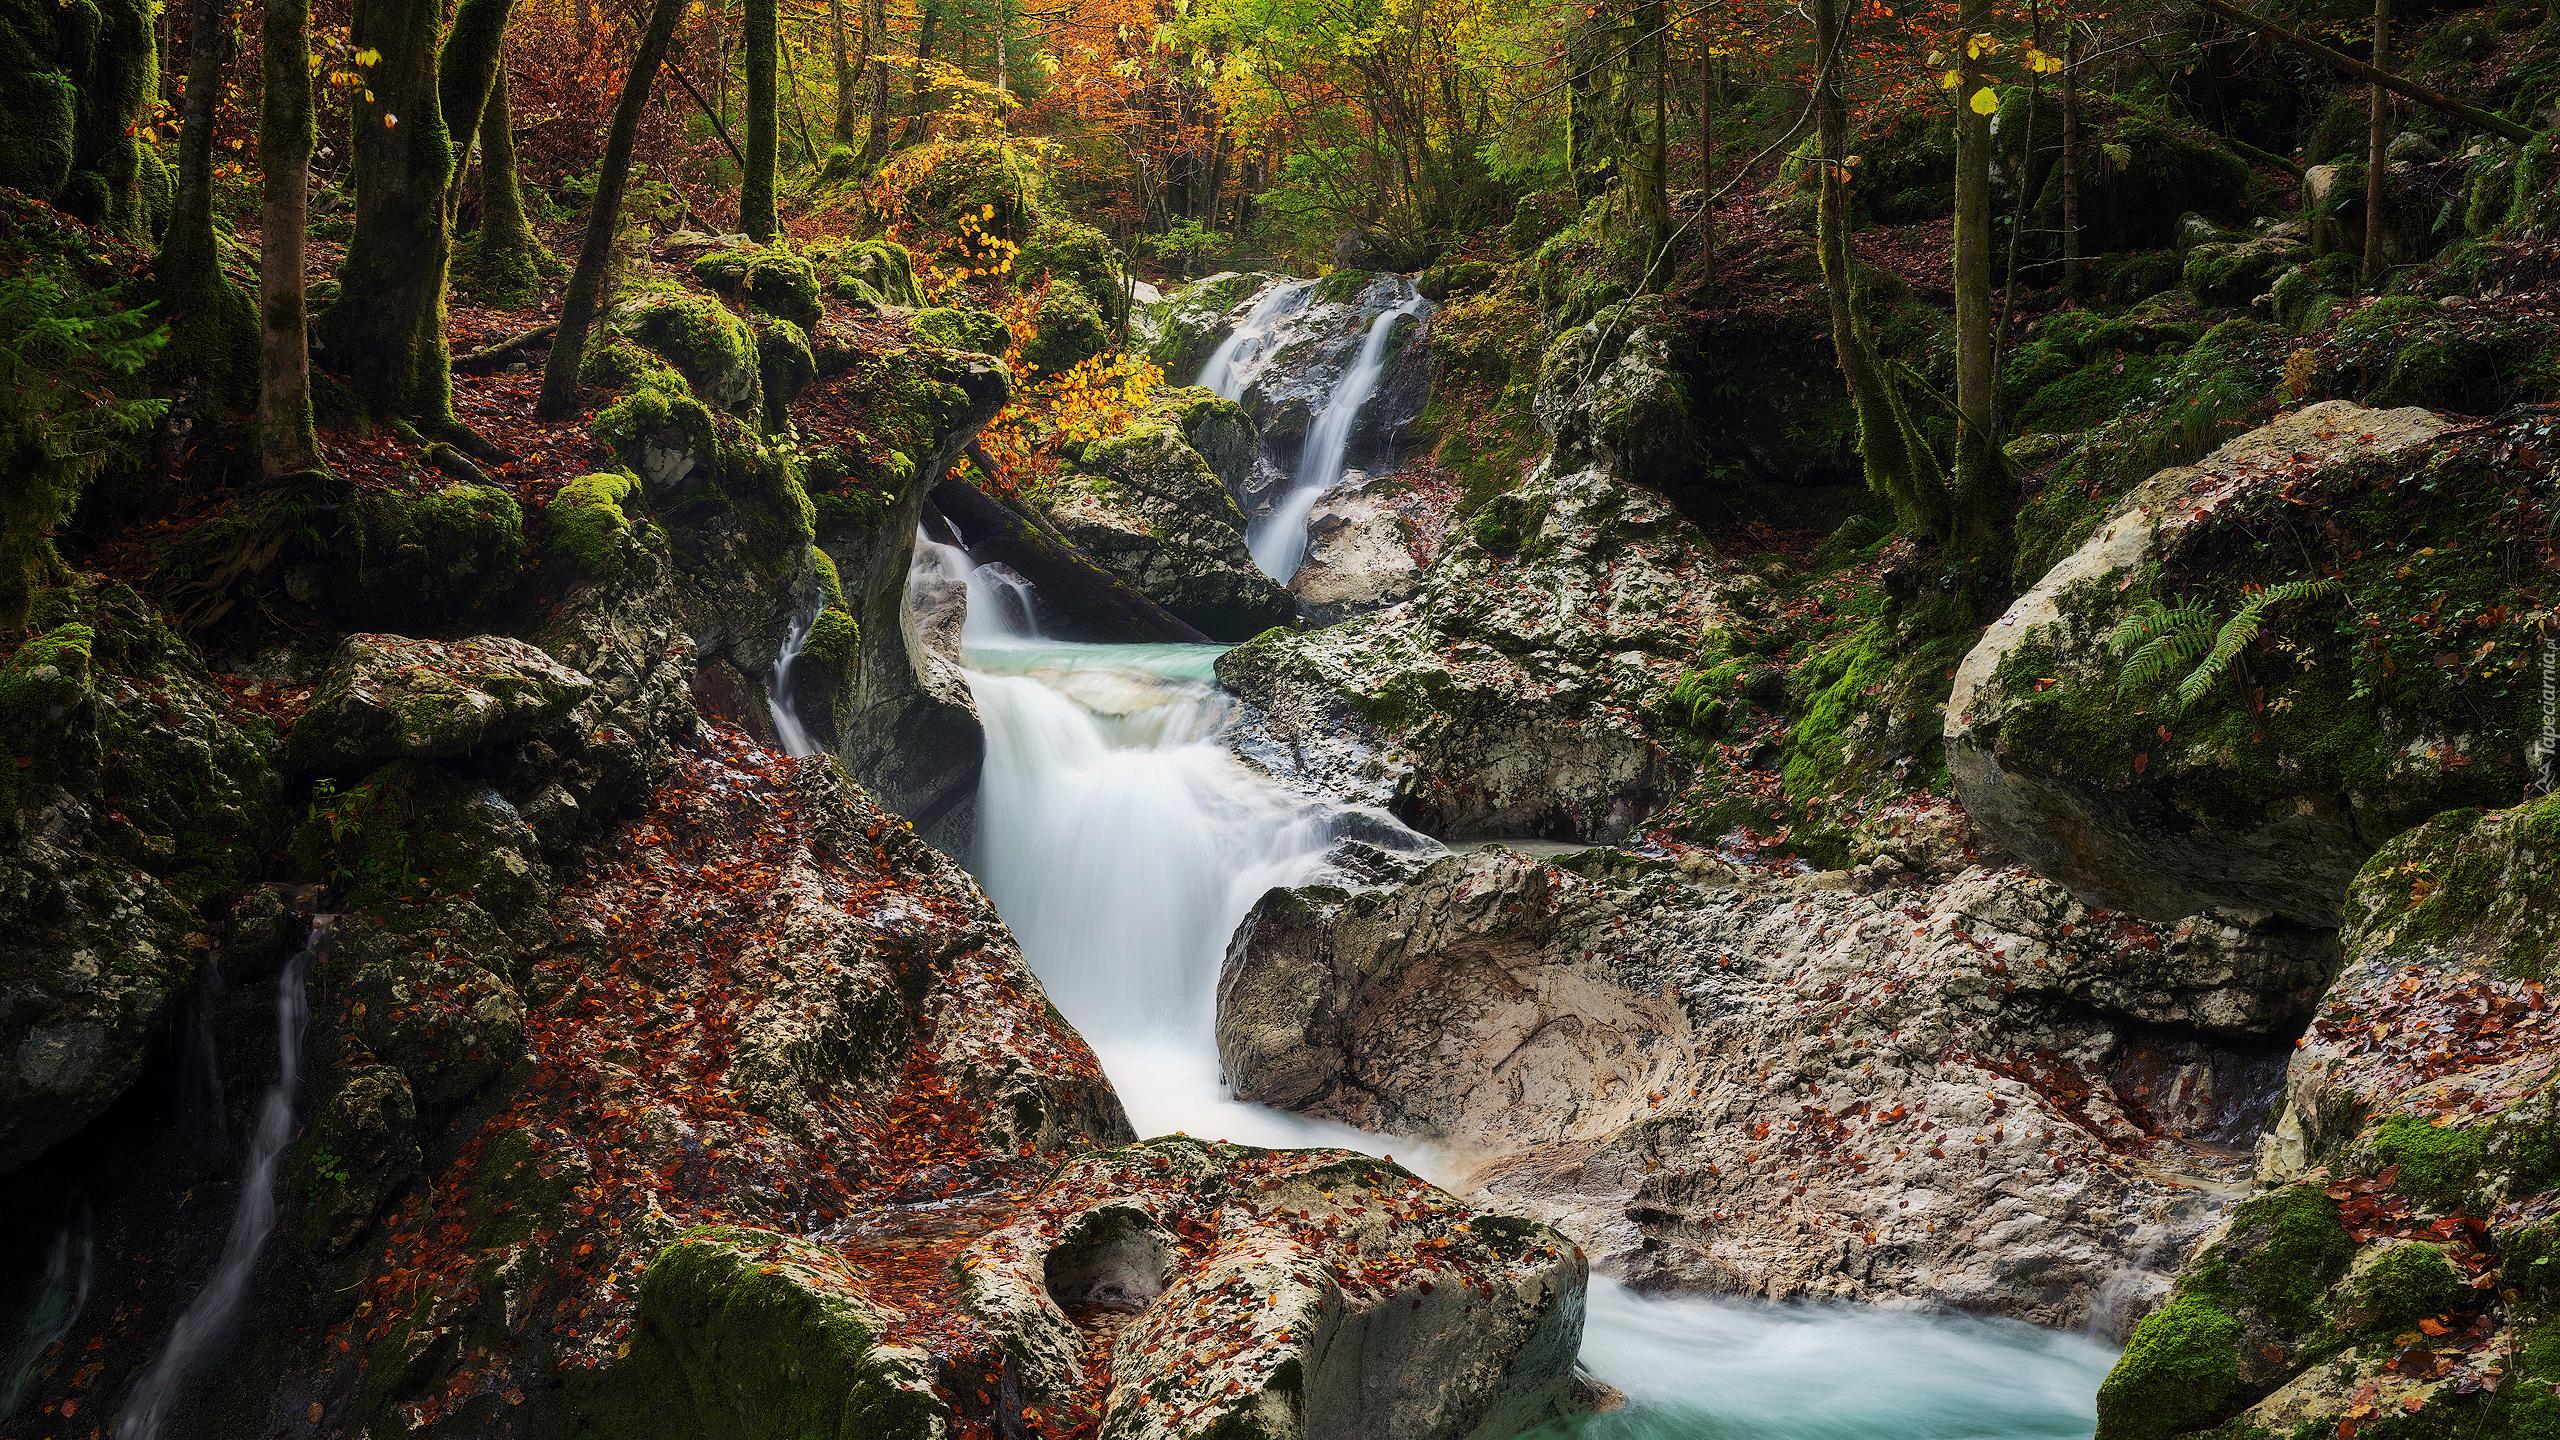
(1123,841)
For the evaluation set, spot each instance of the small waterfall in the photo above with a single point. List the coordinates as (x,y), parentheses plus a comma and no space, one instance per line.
(1278,537)
(1239,358)
(214,1306)
(1001,604)
(69,1269)
(777,688)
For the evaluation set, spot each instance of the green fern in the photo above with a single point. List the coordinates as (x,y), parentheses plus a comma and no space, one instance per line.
(2162,637)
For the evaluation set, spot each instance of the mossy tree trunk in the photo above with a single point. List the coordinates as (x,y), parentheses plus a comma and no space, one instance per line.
(2071,266)
(846,87)
(1976,516)
(2377,163)
(387,336)
(466,75)
(1897,461)
(213,326)
(604,217)
(875,61)
(917,85)
(755,193)
(286,444)
(509,255)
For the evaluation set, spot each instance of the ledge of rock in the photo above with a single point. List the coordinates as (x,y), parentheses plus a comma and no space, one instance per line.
(390,697)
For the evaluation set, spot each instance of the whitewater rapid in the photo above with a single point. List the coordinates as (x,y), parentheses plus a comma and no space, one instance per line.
(1123,842)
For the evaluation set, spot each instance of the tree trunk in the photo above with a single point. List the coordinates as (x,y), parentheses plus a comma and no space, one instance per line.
(2071,266)
(845,83)
(474,51)
(2377,163)
(510,254)
(1004,85)
(604,217)
(1654,20)
(2354,69)
(755,194)
(875,59)
(286,444)
(211,322)
(387,337)
(1898,463)
(1977,439)
(916,83)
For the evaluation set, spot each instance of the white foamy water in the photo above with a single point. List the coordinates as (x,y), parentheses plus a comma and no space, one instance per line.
(1123,843)
(1278,537)
(778,699)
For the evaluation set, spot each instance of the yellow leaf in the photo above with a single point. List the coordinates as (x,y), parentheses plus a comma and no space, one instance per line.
(623,1352)
(1984,102)
(1950,80)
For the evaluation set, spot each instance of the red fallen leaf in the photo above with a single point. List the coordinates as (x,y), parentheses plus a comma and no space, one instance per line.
(2431,1327)
(2413,1402)
(2141,763)
(70,1408)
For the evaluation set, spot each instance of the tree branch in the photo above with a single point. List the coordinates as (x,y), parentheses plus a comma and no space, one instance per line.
(2356,69)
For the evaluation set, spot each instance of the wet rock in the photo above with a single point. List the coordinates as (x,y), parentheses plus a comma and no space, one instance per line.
(1976,1093)
(1506,698)
(131,804)
(1357,556)
(2394,1258)
(1185,328)
(362,1147)
(2234,802)
(1610,393)
(1279,1294)
(1147,507)
(390,697)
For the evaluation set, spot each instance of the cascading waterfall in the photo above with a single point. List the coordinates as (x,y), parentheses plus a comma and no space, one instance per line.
(1239,358)
(1123,843)
(1278,537)
(69,1269)
(214,1306)
(794,736)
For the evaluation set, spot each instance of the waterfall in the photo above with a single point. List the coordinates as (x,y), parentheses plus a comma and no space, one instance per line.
(1239,358)
(214,1306)
(1278,537)
(1122,841)
(59,1297)
(777,687)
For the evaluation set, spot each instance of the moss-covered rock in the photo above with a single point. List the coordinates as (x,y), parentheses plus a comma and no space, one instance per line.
(588,519)
(361,1147)
(1078,255)
(772,280)
(1070,330)
(712,348)
(131,802)
(389,697)
(425,560)
(1185,328)
(951,190)
(2176,1370)
(979,331)
(872,273)
(1218,428)
(785,367)
(1611,392)
(1150,509)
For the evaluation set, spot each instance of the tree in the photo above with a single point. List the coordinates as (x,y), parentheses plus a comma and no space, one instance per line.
(286,444)
(756,214)
(875,52)
(2377,165)
(509,256)
(604,217)
(846,96)
(1978,468)
(213,326)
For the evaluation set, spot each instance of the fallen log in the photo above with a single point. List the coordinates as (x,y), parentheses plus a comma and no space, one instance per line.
(492,357)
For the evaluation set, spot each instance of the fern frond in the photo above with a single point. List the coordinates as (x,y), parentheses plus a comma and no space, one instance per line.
(2159,635)
(2241,629)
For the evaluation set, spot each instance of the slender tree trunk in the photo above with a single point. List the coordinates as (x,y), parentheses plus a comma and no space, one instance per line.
(1003,83)
(875,60)
(1654,20)
(286,444)
(2377,162)
(917,86)
(2071,267)
(388,337)
(845,84)
(755,195)
(1898,463)
(511,254)
(1977,436)
(211,321)
(604,217)
(474,50)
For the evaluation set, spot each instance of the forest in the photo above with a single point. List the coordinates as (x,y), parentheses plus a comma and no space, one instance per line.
(826,719)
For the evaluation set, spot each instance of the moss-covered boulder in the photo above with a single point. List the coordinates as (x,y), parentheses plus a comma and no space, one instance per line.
(1611,393)
(955,194)
(712,348)
(425,560)
(134,800)
(871,274)
(361,1147)
(1075,254)
(772,280)
(390,697)
(1069,330)
(1506,699)
(2390,1275)
(1150,509)
(2229,274)
(979,331)
(1280,1294)
(1185,328)
(2391,681)
(1218,428)
(590,521)
(784,367)
(762,1335)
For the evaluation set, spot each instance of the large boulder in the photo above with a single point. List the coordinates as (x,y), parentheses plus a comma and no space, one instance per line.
(1968,1090)
(2394,1267)
(1358,558)
(390,697)
(2392,687)
(1148,508)
(1186,1288)
(134,799)
(1505,700)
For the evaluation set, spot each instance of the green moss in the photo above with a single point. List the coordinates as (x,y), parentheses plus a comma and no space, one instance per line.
(1073,253)
(2408,1283)
(1342,287)
(772,280)
(978,331)
(873,273)
(785,369)
(2439,1165)
(715,350)
(1070,330)
(587,521)
(2177,1370)
(985,187)
(424,561)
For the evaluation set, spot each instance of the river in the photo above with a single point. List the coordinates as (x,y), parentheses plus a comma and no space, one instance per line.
(1123,842)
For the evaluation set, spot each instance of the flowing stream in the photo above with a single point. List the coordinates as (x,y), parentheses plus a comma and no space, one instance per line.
(778,699)
(1123,842)
(1278,537)
(210,1313)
